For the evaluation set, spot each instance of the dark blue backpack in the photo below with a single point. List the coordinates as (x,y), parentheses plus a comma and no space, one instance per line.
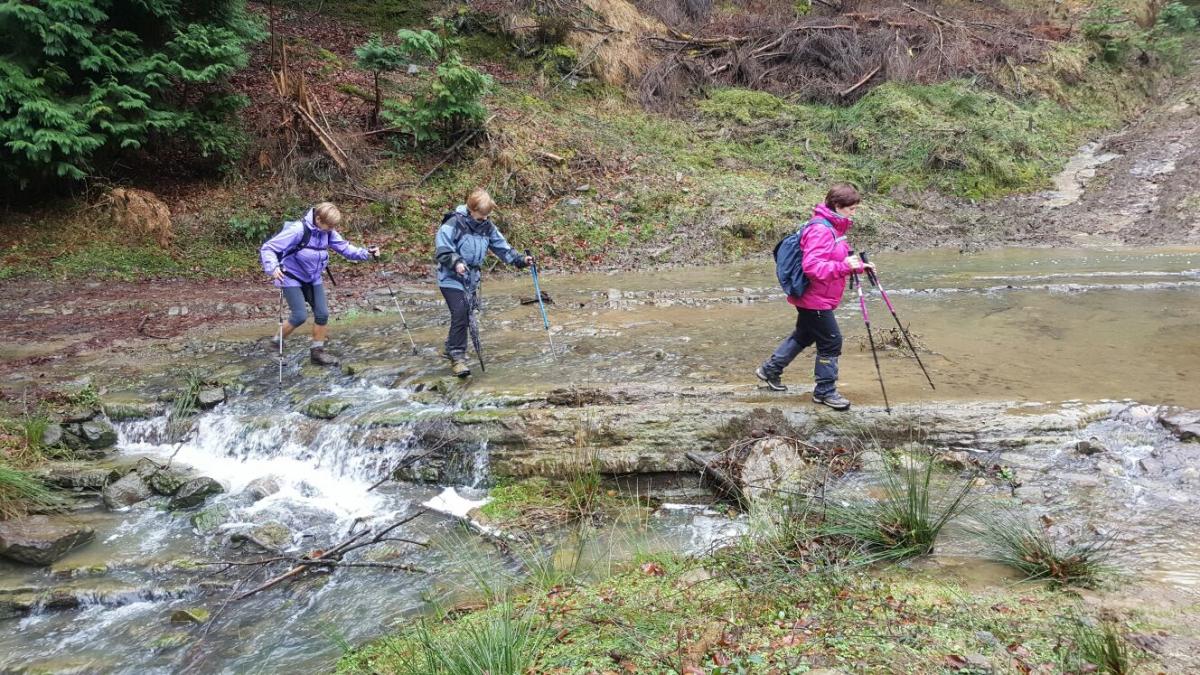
(789,259)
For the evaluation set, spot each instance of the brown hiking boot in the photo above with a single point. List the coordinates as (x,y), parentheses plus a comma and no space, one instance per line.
(459,366)
(321,357)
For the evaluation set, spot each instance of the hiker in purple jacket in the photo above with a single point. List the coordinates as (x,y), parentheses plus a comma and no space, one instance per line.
(296,258)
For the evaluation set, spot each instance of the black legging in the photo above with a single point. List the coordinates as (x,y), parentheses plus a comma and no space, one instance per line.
(460,317)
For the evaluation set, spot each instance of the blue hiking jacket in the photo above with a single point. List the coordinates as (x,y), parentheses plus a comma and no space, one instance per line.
(464,239)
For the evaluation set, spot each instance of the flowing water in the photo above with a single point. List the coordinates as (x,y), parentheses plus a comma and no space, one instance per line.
(1030,326)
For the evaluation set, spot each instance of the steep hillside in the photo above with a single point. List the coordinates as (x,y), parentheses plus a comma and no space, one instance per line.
(662,131)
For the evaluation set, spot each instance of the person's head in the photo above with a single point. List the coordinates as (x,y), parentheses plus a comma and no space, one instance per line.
(843,199)
(326,216)
(480,204)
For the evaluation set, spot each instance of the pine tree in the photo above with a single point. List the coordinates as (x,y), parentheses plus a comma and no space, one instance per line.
(82,81)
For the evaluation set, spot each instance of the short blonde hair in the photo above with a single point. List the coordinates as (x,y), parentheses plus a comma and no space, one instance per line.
(328,214)
(481,202)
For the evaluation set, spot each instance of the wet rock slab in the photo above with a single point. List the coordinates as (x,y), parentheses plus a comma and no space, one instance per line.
(40,540)
(1185,424)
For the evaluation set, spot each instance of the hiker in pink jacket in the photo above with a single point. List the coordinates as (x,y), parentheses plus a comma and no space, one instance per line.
(826,262)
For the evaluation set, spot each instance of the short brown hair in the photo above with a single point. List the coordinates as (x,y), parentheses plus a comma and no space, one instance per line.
(480,202)
(842,195)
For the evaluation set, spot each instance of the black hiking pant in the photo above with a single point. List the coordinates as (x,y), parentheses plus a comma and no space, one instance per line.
(460,317)
(812,326)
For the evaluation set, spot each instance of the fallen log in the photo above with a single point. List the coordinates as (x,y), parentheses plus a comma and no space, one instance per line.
(724,484)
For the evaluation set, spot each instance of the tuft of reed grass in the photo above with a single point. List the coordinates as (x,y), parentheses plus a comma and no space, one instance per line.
(501,641)
(1097,647)
(22,492)
(1015,541)
(906,521)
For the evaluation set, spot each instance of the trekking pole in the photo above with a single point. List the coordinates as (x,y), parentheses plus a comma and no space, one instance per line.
(473,327)
(281,336)
(403,321)
(903,331)
(862,304)
(537,290)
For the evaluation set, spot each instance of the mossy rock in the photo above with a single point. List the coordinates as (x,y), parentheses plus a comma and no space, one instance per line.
(123,409)
(209,519)
(325,408)
(197,615)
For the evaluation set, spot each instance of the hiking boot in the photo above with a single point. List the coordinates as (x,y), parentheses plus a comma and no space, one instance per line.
(772,381)
(459,367)
(834,400)
(321,357)
(271,344)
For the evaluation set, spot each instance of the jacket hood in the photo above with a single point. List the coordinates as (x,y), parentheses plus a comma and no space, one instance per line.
(840,223)
(470,224)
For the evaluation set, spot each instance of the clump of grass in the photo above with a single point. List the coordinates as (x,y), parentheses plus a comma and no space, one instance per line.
(501,641)
(1015,541)
(184,407)
(22,492)
(1097,647)
(906,522)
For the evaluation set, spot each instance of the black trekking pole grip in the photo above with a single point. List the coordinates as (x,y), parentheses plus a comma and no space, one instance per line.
(870,272)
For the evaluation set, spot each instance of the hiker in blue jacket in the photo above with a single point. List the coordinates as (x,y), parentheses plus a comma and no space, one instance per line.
(462,243)
(295,259)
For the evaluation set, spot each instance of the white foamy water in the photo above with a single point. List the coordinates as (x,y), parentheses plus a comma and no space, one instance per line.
(326,466)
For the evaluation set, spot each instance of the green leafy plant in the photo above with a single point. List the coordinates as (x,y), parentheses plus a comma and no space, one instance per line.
(251,228)
(907,520)
(84,81)
(1015,541)
(449,99)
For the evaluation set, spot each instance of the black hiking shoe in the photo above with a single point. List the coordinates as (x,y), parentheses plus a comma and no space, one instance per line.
(834,400)
(772,381)
(321,357)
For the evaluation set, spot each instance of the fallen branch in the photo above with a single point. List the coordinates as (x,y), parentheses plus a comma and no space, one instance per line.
(861,82)
(330,558)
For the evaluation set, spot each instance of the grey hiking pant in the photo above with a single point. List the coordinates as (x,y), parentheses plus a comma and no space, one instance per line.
(312,294)
(812,326)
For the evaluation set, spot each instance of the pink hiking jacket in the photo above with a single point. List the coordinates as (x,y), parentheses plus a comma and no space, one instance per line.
(824,261)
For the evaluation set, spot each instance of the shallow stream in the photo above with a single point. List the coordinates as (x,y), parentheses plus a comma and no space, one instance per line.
(1013,338)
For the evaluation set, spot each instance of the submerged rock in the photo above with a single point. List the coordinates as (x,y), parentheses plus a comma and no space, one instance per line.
(1091,446)
(192,615)
(194,492)
(127,491)
(270,536)
(210,518)
(38,540)
(261,488)
(325,408)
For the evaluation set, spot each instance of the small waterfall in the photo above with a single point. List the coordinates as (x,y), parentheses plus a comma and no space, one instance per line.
(324,465)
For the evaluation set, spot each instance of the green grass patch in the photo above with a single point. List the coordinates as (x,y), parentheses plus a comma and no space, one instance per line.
(21,492)
(1015,541)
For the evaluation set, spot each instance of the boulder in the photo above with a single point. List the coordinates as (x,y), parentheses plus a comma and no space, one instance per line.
(38,540)
(120,410)
(76,478)
(72,440)
(127,491)
(53,435)
(166,481)
(98,434)
(194,492)
(1185,424)
(210,397)
(325,408)
(955,460)
(260,488)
